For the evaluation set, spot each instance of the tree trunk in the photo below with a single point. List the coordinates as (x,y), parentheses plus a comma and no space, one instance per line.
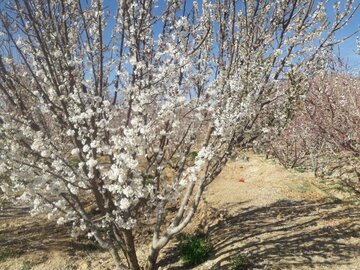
(117,259)
(151,261)
(130,250)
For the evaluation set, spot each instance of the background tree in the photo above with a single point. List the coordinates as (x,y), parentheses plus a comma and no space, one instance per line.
(324,134)
(135,115)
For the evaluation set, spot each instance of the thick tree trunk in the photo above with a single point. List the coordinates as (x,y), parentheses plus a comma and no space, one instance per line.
(152,259)
(130,250)
(117,259)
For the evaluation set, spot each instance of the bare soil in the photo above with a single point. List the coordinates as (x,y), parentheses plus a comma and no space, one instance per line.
(277,218)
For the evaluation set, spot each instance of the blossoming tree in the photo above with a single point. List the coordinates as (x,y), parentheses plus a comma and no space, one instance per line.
(324,135)
(110,115)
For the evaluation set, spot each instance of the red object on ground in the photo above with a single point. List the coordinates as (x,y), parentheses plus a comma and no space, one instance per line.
(242,180)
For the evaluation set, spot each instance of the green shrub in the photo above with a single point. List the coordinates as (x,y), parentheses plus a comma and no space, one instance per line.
(240,263)
(27,265)
(300,170)
(5,254)
(148,179)
(194,249)
(193,155)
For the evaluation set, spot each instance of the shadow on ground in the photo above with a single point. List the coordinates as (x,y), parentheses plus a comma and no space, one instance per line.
(20,233)
(286,234)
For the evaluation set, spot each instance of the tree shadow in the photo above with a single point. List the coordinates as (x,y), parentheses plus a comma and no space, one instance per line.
(20,233)
(287,234)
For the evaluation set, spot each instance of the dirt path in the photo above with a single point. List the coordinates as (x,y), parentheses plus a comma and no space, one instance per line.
(281,220)
(255,181)
(277,218)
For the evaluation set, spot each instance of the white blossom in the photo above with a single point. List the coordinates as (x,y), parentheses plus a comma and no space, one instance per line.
(124,204)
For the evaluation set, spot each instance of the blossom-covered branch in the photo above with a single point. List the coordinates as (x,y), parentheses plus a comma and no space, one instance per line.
(136,110)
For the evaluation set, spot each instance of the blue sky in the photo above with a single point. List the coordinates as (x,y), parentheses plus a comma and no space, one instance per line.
(346,50)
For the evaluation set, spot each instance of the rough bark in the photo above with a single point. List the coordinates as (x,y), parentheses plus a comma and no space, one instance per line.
(152,259)
(116,258)
(130,250)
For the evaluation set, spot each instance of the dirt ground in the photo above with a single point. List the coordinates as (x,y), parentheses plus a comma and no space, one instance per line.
(277,218)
